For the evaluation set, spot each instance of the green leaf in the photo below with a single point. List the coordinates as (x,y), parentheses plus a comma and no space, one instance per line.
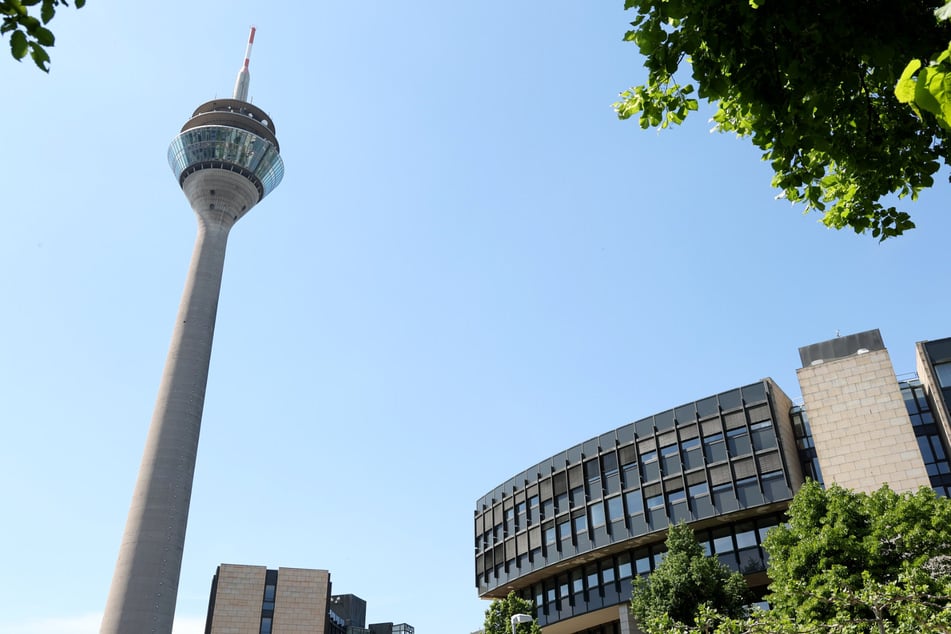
(905,88)
(44,36)
(943,13)
(933,93)
(47,11)
(40,57)
(18,44)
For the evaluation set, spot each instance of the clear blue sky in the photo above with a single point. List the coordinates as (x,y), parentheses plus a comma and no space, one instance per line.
(471,265)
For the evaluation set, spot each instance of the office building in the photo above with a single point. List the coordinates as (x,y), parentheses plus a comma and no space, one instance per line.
(226,159)
(256,600)
(570,532)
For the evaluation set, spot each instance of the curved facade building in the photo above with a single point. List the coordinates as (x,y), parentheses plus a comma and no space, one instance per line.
(570,532)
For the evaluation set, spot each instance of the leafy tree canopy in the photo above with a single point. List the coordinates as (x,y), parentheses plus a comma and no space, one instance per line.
(28,33)
(812,84)
(498,618)
(854,563)
(683,583)
(842,553)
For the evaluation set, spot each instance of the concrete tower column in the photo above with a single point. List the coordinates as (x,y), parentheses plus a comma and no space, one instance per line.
(145,585)
(226,159)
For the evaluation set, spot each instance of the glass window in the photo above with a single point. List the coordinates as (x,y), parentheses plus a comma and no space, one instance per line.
(266,623)
(714,448)
(548,508)
(635,503)
(615,509)
(655,502)
(607,574)
(747,490)
(593,583)
(909,396)
(698,489)
(561,502)
(609,463)
(550,537)
(577,497)
(591,470)
(581,526)
(932,451)
(674,497)
(803,431)
(722,543)
(692,454)
(597,514)
(650,470)
(738,442)
(670,459)
(745,535)
(774,485)
(564,532)
(763,436)
(943,370)
(721,493)
(624,566)
(643,564)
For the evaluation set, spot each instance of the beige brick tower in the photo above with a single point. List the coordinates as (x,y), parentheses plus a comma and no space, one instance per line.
(251,600)
(862,432)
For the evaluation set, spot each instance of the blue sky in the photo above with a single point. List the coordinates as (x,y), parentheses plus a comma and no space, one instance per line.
(471,265)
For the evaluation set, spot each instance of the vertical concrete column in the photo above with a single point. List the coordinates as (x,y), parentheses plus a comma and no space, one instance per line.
(145,584)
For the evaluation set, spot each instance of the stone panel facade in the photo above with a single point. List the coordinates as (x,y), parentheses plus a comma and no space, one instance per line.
(862,432)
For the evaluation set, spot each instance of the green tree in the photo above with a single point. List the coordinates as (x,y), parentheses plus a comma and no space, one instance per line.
(687,584)
(811,84)
(28,33)
(928,86)
(882,558)
(498,618)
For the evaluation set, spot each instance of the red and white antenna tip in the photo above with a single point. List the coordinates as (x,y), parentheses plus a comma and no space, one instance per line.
(244,77)
(247,52)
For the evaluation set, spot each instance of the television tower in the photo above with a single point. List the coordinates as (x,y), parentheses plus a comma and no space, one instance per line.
(226,160)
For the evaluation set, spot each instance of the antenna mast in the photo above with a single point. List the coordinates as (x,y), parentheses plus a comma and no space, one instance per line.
(243,82)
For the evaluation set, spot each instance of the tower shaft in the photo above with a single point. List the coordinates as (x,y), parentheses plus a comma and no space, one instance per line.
(145,584)
(226,159)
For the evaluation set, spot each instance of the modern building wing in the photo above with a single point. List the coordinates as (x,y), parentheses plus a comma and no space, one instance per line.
(570,532)
(257,600)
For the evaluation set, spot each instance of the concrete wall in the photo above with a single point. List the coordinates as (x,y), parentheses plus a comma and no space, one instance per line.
(861,428)
(240,591)
(300,606)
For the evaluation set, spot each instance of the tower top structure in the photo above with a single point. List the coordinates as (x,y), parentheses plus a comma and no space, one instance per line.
(228,136)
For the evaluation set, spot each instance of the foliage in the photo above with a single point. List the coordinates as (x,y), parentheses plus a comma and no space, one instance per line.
(852,557)
(684,582)
(28,33)
(854,563)
(929,87)
(811,84)
(498,618)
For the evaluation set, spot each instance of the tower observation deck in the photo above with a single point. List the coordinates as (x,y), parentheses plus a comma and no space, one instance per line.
(226,159)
